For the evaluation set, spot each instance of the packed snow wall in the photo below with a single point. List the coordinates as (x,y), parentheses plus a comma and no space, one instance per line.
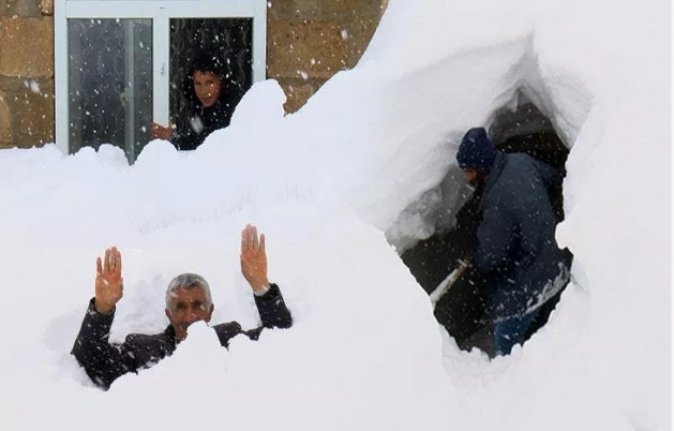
(325,185)
(587,79)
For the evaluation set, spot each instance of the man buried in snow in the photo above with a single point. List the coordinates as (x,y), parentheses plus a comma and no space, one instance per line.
(188,300)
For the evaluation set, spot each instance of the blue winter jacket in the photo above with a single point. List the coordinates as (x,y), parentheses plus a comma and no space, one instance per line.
(516,247)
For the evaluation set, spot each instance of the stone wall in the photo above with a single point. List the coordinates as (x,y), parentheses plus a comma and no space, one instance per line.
(26,73)
(308,41)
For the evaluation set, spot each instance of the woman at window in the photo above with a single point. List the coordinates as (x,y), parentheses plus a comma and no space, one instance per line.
(212,101)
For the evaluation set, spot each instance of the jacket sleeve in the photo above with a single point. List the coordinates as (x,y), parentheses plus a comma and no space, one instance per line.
(103,362)
(273,313)
(184,139)
(272,309)
(495,237)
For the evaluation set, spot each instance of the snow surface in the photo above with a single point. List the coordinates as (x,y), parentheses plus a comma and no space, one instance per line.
(329,185)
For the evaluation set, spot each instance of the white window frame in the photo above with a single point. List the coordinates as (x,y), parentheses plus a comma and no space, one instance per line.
(161,12)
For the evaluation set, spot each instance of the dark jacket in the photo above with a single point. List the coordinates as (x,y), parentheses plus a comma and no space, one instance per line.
(516,247)
(104,362)
(202,121)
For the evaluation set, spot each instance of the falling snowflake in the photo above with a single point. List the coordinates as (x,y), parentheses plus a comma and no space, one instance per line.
(34,86)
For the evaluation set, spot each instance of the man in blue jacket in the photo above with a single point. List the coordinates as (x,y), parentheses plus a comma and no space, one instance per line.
(516,248)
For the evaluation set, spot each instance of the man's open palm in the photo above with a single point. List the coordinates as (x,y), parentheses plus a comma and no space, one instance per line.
(109,283)
(253,258)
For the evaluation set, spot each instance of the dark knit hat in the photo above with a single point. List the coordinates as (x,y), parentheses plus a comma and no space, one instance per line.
(476,150)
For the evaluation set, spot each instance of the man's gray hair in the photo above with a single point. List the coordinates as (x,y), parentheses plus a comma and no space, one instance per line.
(188,281)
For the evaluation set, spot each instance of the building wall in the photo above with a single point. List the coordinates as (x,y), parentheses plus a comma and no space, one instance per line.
(26,73)
(308,41)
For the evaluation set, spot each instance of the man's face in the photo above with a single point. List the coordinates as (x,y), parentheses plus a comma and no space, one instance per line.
(207,87)
(471,176)
(188,306)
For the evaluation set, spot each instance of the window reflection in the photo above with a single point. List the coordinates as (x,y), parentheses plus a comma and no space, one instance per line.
(110,83)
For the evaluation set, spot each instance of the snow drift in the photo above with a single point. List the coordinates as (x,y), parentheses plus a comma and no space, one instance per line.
(325,185)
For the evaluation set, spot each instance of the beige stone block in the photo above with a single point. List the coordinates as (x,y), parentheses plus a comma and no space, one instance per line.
(305,50)
(351,7)
(382,8)
(6,138)
(297,93)
(359,33)
(289,9)
(323,9)
(34,115)
(27,47)
(22,8)
(28,8)
(7,7)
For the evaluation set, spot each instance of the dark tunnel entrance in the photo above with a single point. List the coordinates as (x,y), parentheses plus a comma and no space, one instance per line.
(462,310)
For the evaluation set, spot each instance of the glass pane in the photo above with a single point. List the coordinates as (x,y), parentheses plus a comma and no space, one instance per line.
(227,40)
(110,83)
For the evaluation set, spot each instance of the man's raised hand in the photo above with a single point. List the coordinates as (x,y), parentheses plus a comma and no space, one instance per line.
(109,283)
(254,259)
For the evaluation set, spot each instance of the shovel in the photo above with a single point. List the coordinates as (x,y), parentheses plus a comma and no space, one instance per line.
(444,286)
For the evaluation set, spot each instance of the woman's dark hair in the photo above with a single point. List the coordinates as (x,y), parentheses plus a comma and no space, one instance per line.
(217,62)
(211,62)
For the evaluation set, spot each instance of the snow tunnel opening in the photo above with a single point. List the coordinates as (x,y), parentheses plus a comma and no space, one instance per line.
(450,208)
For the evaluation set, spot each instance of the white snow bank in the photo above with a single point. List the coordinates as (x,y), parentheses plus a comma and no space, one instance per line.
(324,185)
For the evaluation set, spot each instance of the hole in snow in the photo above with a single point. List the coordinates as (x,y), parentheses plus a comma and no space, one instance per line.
(446,212)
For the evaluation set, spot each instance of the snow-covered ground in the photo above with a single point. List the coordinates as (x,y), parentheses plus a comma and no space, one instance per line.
(328,185)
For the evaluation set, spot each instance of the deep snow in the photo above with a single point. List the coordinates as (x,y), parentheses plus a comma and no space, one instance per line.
(329,186)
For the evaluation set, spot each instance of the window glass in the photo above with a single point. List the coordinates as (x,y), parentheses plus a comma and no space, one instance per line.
(110,83)
(228,39)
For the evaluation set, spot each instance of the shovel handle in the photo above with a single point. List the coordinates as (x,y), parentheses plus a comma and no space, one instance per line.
(444,286)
